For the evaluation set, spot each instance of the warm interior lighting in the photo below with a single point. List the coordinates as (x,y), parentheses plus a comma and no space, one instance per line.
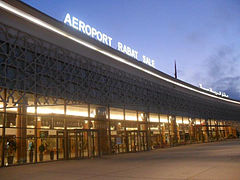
(154,128)
(198,122)
(116,116)
(77,113)
(185,122)
(164,120)
(30,109)
(11,109)
(179,121)
(131,118)
(131,129)
(153,117)
(1,105)
(50,110)
(93,113)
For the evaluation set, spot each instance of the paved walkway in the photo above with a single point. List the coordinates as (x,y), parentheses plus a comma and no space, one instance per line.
(218,161)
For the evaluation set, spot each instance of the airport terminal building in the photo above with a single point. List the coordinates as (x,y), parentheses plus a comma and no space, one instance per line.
(65,95)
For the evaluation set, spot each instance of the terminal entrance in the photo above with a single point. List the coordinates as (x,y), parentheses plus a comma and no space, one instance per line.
(80,144)
(137,141)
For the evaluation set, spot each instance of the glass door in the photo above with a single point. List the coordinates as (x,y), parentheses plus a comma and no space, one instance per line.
(87,143)
(143,140)
(60,145)
(132,141)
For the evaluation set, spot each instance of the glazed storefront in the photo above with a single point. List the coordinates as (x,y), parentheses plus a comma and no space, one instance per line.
(37,128)
(63,95)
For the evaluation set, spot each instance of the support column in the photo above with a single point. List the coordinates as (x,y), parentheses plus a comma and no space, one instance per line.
(183,129)
(205,130)
(201,131)
(125,130)
(138,139)
(160,131)
(216,129)
(148,131)
(21,133)
(169,132)
(173,131)
(225,130)
(4,123)
(109,132)
(190,130)
(37,133)
(65,132)
(104,130)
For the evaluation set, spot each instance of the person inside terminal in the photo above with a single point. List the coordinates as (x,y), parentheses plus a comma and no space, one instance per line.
(61,99)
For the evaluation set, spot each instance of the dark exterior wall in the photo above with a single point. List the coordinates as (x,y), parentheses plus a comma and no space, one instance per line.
(32,65)
(35,60)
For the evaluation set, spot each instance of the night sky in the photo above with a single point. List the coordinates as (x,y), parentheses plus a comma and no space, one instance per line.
(203,36)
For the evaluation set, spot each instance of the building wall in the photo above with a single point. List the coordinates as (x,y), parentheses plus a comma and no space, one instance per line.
(29,64)
(61,100)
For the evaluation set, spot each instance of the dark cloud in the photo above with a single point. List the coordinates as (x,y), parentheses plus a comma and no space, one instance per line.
(224,63)
(197,38)
(230,85)
(221,72)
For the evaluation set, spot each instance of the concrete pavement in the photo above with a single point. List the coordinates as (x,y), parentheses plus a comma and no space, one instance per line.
(218,160)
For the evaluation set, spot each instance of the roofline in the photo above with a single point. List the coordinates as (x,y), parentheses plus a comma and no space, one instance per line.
(93,46)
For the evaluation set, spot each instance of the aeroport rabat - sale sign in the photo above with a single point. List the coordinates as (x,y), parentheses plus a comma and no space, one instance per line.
(104,38)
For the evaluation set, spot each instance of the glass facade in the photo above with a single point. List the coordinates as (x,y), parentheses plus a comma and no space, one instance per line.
(57,103)
(36,129)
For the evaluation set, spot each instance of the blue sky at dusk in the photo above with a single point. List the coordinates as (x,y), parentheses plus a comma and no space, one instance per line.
(203,36)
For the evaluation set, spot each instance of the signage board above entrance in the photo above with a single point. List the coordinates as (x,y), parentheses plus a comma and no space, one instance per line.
(104,38)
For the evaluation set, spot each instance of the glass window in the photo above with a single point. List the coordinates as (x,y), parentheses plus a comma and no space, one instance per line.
(153,117)
(116,113)
(163,118)
(77,110)
(130,115)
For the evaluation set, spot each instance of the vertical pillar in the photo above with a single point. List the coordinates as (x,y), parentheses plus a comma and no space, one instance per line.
(89,124)
(163,133)
(160,131)
(169,132)
(225,130)
(173,131)
(216,129)
(192,130)
(36,128)
(4,123)
(201,131)
(109,130)
(125,130)
(184,134)
(104,130)
(138,138)
(210,135)
(65,132)
(230,130)
(148,131)
(21,134)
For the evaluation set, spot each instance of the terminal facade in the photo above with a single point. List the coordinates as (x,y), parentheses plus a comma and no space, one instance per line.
(62,100)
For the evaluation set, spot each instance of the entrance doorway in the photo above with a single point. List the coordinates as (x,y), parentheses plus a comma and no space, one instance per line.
(137,141)
(81,143)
